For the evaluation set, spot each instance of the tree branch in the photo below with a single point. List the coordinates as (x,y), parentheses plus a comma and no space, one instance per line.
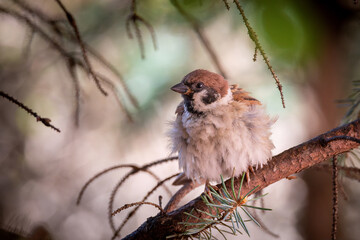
(73,24)
(291,161)
(45,121)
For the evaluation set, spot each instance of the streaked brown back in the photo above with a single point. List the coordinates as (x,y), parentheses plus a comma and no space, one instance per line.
(240,95)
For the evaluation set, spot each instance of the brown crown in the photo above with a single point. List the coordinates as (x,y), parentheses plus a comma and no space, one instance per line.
(210,79)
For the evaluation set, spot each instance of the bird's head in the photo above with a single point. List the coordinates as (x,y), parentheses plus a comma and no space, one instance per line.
(202,91)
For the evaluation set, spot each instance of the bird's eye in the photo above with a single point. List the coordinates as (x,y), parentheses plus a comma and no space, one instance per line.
(199,85)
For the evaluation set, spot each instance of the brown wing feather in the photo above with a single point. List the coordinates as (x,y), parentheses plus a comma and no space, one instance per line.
(240,95)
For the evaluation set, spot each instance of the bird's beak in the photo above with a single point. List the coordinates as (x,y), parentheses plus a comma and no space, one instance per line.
(181,88)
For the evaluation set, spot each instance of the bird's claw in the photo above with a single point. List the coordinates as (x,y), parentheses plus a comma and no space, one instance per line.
(247,174)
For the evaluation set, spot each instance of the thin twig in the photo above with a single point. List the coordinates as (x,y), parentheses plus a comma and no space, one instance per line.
(160,197)
(227,5)
(112,87)
(111,67)
(69,35)
(81,193)
(138,35)
(151,30)
(118,185)
(117,232)
(202,37)
(335,199)
(134,19)
(58,31)
(43,34)
(136,204)
(255,39)
(73,75)
(73,24)
(45,121)
(255,54)
(70,60)
(37,29)
(33,11)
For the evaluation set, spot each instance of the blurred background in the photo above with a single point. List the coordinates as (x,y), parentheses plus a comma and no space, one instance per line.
(313,46)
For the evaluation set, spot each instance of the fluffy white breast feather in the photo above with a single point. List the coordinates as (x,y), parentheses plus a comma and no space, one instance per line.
(230,134)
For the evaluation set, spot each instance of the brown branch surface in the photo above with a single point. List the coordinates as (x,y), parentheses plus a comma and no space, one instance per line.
(335,199)
(289,162)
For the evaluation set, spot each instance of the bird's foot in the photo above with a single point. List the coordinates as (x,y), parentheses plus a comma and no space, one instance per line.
(247,174)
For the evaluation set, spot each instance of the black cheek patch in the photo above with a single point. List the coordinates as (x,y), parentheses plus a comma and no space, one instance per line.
(210,97)
(189,104)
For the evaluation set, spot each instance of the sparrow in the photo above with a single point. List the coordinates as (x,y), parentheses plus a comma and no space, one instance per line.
(219,129)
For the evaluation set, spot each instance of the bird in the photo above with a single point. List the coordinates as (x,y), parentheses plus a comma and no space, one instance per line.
(219,129)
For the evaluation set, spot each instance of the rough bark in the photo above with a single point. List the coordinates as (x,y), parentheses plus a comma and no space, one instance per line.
(289,162)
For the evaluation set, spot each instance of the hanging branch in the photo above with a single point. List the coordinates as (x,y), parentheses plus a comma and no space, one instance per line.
(72,71)
(70,60)
(134,19)
(289,162)
(112,69)
(73,24)
(135,169)
(254,38)
(39,30)
(119,184)
(335,198)
(126,206)
(45,121)
(58,30)
(202,37)
(227,5)
(50,32)
(132,213)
